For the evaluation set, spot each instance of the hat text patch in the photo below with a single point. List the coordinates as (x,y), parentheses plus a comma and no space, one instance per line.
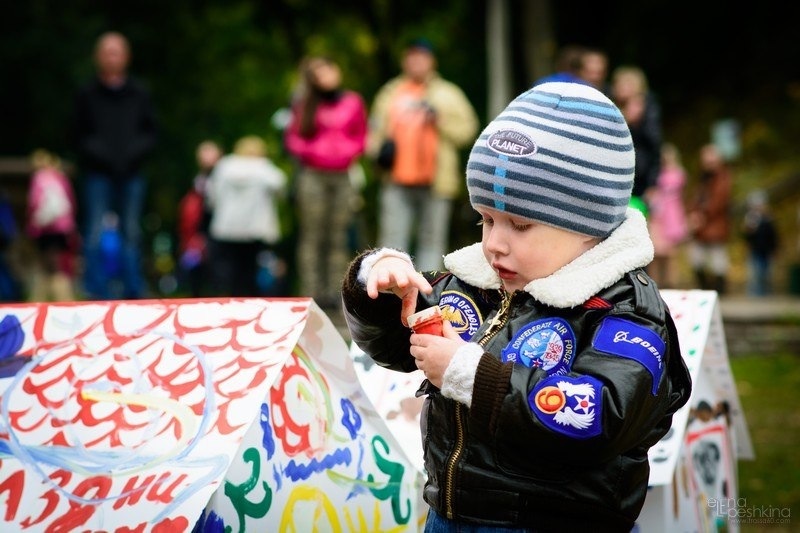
(510,142)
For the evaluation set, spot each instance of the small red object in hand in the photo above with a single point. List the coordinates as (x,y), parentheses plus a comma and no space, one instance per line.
(427,321)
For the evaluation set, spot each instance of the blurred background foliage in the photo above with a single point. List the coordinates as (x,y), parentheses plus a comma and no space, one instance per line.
(222,69)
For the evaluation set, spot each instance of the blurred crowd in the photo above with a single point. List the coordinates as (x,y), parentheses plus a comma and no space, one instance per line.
(231,237)
(692,221)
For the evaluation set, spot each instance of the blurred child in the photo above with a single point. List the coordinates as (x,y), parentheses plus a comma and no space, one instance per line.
(193,220)
(51,224)
(758,229)
(242,191)
(668,225)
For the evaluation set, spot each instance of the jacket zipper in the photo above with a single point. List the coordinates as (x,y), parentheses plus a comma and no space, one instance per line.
(499,320)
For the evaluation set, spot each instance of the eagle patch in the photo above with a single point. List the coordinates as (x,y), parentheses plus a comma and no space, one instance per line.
(569,405)
(462,313)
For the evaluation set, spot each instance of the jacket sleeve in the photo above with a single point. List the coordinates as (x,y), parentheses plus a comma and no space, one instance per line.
(356,131)
(295,144)
(144,140)
(456,118)
(652,139)
(379,118)
(90,145)
(272,176)
(375,325)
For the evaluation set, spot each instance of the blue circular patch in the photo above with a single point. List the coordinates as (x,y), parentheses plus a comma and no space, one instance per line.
(548,343)
(462,313)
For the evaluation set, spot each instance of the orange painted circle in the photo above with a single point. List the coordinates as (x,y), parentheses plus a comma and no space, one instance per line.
(550,399)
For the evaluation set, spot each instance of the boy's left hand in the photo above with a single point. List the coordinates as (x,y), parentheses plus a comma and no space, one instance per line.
(433,353)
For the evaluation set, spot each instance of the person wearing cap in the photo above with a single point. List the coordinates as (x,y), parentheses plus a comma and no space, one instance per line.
(559,366)
(427,119)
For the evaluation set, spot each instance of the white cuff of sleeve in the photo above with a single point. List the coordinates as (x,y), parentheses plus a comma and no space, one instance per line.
(459,376)
(368,262)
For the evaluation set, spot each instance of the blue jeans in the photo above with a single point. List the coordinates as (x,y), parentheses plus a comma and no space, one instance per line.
(759,282)
(436,523)
(125,198)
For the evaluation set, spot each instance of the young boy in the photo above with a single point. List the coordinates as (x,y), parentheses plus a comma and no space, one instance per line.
(559,365)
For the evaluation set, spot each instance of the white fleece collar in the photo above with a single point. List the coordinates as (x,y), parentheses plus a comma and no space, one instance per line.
(628,247)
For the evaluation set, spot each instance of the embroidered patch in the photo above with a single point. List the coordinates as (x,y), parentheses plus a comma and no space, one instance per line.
(569,405)
(510,142)
(548,343)
(462,313)
(632,341)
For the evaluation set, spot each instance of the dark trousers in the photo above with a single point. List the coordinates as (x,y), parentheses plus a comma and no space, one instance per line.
(234,267)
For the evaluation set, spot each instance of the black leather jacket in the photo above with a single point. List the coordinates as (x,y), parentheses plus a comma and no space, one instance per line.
(580,376)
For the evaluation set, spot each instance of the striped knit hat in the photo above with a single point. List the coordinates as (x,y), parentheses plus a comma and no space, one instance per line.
(560,154)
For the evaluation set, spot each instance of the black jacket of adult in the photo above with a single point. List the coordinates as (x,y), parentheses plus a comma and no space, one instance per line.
(115,128)
(647,139)
(580,375)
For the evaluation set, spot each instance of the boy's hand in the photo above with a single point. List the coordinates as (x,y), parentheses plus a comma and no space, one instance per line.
(392,274)
(433,353)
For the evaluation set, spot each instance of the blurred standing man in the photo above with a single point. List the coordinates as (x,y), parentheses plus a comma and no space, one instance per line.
(115,130)
(429,119)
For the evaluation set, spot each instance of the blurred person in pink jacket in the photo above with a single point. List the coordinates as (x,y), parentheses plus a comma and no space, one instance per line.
(667,222)
(326,135)
(51,224)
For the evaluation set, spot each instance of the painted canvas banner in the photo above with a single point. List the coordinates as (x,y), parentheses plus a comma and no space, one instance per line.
(130,416)
(320,457)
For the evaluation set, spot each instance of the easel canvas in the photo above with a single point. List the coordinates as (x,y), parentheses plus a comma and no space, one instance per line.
(693,476)
(171,415)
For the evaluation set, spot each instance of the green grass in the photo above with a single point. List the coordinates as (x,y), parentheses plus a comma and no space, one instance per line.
(769,389)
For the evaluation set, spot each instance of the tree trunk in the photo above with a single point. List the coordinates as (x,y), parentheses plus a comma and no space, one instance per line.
(538,43)
(498,56)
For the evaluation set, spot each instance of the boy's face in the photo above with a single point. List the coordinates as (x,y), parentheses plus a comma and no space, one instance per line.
(522,250)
